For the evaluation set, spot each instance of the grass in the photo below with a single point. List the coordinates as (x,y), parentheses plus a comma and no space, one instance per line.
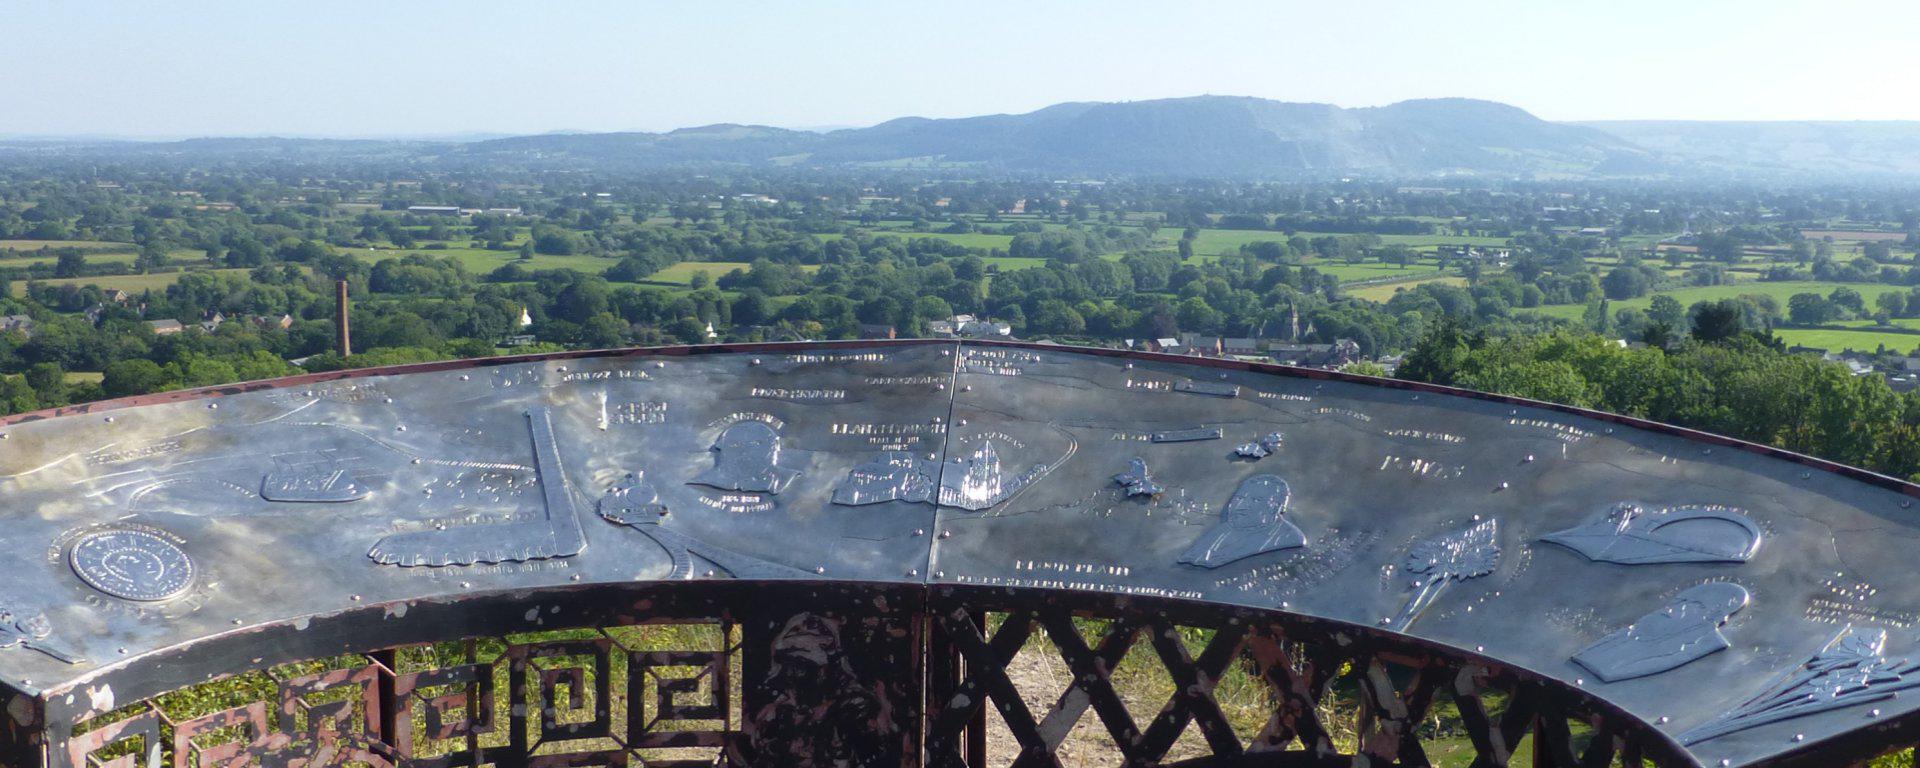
(1219,242)
(480,261)
(1373,270)
(1780,292)
(1859,341)
(128,283)
(683,272)
(967,239)
(34,245)
(185,257)
(1384,292)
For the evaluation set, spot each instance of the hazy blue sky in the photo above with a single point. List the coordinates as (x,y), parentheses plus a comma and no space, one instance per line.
(385,67)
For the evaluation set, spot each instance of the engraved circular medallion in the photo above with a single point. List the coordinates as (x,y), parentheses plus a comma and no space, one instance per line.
(132,565)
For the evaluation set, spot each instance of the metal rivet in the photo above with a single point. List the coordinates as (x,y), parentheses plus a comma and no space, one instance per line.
(355,598)
(465,584)
(109,419)
(401,428)
(919,531)
(1799,737)
(756,361)
(819,569)
(710,573)
(939,574)
(1503,485)
(939,387)
(575,577)
(1663,720)
(913,572)
(213,406)
(465,377)
(946,534)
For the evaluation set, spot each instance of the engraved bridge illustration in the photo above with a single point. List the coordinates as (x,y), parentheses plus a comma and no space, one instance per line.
(859,554)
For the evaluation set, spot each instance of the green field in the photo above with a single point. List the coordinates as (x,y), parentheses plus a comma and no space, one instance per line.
(1011,263)
(968,239)
(683,272)
(177,258)
(1780,292)
(1898,322)
(1220,242)
(128,283)
(481,261)
(1371,270)
(1383,292)
(34,245)
(1859,341)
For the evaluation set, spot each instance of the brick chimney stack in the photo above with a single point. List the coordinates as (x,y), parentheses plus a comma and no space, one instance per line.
(340,319)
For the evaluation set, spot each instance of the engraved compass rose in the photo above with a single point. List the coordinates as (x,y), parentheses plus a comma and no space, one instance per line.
(132,565)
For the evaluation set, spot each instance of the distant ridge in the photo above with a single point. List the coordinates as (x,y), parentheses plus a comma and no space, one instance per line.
(1200,136)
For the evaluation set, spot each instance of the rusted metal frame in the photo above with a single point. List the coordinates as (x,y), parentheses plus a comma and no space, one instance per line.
(1552,740)
(252,717)
(1491,747)
(987,680)
(976,736)
(22,730)
(524,666)
(1193,683)
(475,697)
(330,726)
(942,680)
(1630,753)
(1296,695)
(1389,716)
(1417,700)
(1092,682)
(145,726)
(1605,744)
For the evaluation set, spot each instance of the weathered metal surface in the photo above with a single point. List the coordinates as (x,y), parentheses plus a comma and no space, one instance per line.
(1686,629)
(975,465)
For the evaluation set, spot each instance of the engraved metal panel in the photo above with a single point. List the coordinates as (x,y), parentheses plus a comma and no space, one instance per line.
(1686,629)
(966,464)
(1631,534)
(132,564)
(1253,523)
